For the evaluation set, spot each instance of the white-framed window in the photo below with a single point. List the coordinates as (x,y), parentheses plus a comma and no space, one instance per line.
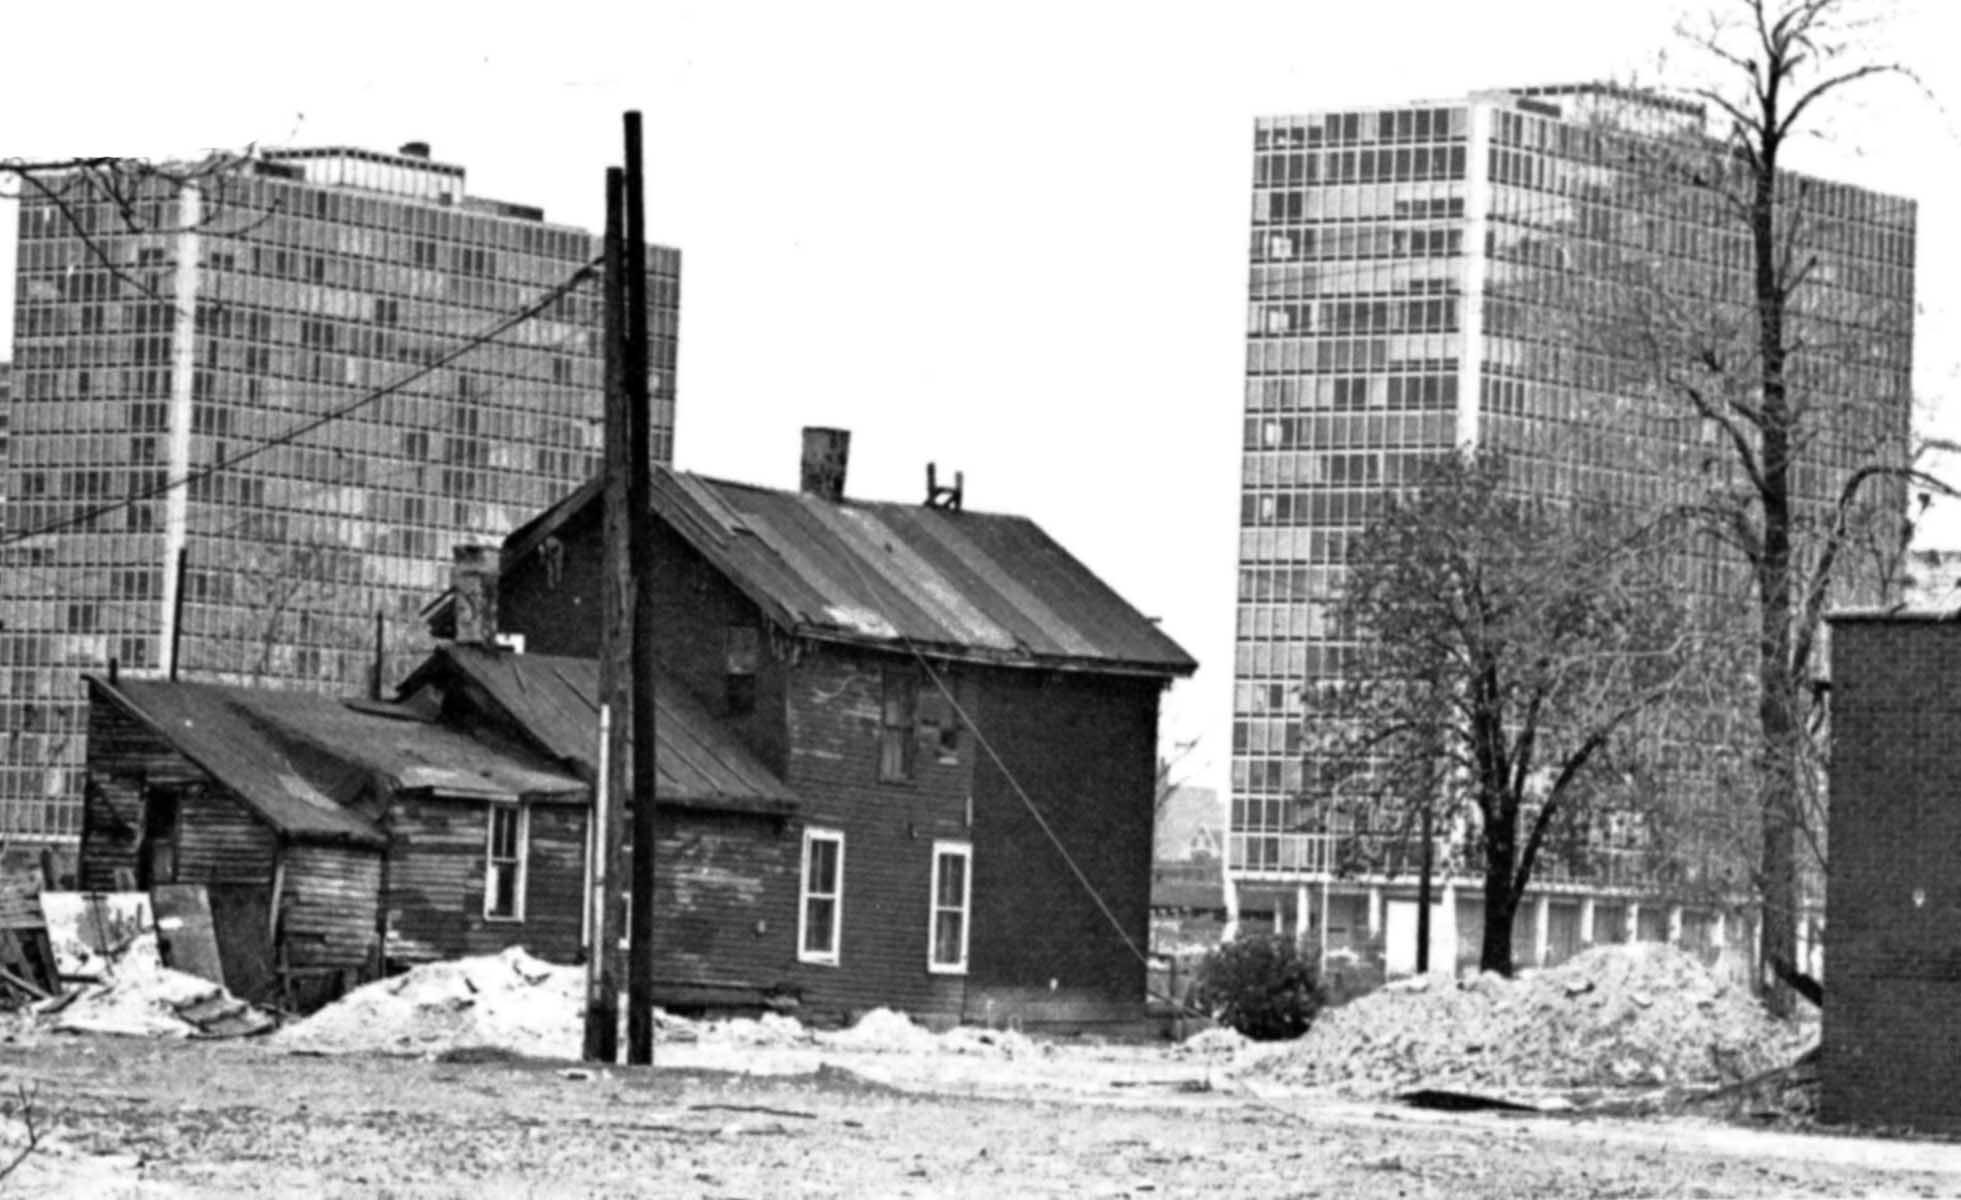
(953,889)
(507,839)
(820,915)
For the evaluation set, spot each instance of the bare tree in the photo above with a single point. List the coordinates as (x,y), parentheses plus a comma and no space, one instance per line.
(1791,352)
(143,197)
(297,611)
(1514,647)
(25,1096)
(1170,776)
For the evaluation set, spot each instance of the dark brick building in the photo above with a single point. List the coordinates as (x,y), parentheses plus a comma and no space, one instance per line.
(1892,1022)
(966,714)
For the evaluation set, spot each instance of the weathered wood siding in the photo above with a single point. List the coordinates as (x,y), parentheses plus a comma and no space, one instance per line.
(889,829)
(437,860)
(124,755)
(112,830)
(220,839)
(1084,749)
(725,896)
(328,897)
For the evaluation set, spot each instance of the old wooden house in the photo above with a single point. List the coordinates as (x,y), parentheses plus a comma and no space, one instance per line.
(966,715)
(334,837)
(726,861)
(341,838)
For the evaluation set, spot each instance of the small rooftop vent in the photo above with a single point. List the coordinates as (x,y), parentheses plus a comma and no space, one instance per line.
(414,150)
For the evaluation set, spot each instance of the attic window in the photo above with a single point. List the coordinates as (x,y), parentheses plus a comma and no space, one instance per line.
(743,654)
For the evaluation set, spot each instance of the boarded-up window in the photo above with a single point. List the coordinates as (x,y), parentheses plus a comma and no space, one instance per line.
(898,716)
(820,918)
(503,891)
(952,884)
(939,726)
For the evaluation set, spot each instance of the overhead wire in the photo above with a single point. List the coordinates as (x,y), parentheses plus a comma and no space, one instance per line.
(1014,783)
(474,342)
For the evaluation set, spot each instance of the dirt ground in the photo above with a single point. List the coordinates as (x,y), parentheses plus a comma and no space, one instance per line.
(141,1117)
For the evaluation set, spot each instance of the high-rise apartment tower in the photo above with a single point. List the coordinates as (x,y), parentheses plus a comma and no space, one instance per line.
(1436,276)
(305,375)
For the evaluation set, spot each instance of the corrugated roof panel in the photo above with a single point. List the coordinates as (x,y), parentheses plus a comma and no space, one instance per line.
(1075,593)
(802,586)
(1034,623)
(717,512)
(990,586)
(889,550)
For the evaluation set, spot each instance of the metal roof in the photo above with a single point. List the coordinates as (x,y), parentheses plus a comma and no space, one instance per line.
(949,583)
(298,758)
(699,762)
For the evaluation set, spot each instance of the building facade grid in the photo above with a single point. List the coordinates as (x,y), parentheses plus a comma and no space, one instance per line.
(169,326)
(1421,280)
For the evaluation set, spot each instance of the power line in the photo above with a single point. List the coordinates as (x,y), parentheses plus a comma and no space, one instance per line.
(980,738)
(477,340)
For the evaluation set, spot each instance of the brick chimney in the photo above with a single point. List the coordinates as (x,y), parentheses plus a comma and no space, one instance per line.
(473,578)
(826,453)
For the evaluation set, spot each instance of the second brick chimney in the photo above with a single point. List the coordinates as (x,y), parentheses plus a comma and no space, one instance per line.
(826,455)
(473,578)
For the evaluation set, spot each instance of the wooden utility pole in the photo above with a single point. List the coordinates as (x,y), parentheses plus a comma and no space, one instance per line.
(177,610)
(380,654)
(602,1038)
(640,536)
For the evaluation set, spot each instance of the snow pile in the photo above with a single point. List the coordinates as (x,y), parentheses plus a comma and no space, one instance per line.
(769,1031)
(997,1043)
(1213,1045)
(510,1000)
(137,997)
(1621,1015)
(883,1031)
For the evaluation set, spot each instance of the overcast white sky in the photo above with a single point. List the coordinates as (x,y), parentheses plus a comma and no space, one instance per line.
(1007,237)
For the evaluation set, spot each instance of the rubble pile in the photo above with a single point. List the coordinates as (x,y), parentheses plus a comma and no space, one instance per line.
(1615,1016)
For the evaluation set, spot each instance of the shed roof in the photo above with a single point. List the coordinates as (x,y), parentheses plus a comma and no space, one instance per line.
(298,758)
(978,586)
(699,762)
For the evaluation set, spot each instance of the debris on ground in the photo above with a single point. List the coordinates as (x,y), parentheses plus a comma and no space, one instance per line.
(137,996)
(1619,1016)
